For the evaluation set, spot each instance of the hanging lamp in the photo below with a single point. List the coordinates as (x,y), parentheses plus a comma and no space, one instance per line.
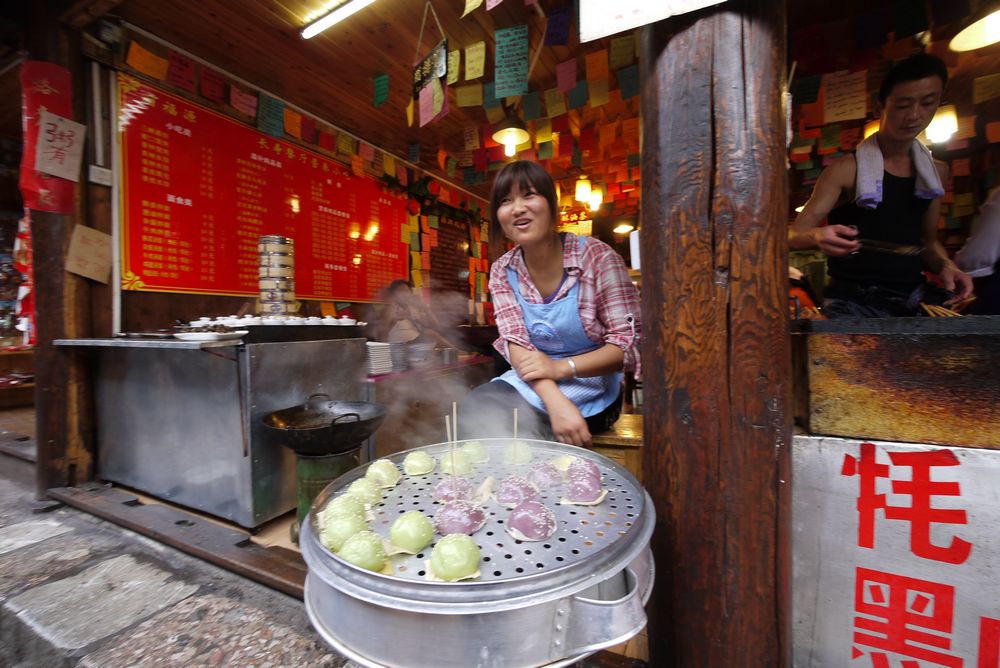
(511,132)
(983,31)
(582,192)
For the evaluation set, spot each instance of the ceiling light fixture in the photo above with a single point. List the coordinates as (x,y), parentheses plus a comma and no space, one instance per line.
(511,133)
(582,192)
(336,16)
(983,31)
(623,228)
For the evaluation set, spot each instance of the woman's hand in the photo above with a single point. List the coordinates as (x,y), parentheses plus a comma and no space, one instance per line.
(536,365)
(568,424)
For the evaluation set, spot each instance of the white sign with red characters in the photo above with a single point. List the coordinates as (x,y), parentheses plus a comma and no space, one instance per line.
(896,555)
(60,146)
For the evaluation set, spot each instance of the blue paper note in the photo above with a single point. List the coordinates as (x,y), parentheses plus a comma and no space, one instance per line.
(511,61)
(490,100)
(545,150)
(270,115)
(532,105)
(578,95)
(381,85)
(628,81)
(557,28)
(413,152)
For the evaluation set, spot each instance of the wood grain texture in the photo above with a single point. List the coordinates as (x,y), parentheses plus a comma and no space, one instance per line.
(716,367)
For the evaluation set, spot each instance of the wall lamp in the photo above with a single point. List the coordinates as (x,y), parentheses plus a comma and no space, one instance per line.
(336,16)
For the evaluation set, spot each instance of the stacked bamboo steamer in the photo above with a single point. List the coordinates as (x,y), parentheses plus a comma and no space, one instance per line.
(277,275)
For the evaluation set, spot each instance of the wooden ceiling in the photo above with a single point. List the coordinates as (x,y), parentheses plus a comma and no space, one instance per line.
(330,75)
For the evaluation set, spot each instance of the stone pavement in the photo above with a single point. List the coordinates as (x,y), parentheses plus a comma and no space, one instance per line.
(78,591)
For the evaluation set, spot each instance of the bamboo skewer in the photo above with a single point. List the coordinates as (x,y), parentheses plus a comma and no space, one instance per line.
(454,419)
(451,443)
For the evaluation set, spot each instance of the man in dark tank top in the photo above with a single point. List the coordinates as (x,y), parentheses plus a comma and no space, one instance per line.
(877,251)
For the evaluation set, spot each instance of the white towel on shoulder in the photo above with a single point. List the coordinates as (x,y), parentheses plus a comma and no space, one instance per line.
(868,183)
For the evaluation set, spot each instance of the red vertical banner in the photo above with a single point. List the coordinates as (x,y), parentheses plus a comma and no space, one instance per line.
(44,87)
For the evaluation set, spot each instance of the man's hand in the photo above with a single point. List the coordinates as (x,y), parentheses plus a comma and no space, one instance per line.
(536,365)
(568,424)
(836,240)
(955,280)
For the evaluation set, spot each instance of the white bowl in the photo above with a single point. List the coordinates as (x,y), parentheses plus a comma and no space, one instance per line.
(346,321)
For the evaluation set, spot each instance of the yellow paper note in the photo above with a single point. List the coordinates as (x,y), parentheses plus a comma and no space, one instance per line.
(415,259)
(598,91)
(495,115)
(985,88)
(345,144)
(409,113)
(543,130)
(146,62)
(966,127)
(555,102)
(475,60)
(417,278)
(471,6)
(964,200)
(470,95)
(622,51)
(454,63)
(437,96)
(389,164)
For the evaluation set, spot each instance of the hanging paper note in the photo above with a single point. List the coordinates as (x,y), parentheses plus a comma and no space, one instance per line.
(531,105)
(357,165)
(829,141)
(960,167)
(413,152)
(555,103)
(309,130)
(366,151)
(415,260)
(146,62)
(966,127)
(439,99)
(59,150)
(270,115)
(213,86)
(578,96)
(511,61)
(409,113)
(470,95)
(598,91)
(845,96)
(597,65)
(993,132)
(985,88)
(345,144)
(389,163)
(608,133)
(622,51)
(545,150)
(293,123)
(566,75)
(628,81)
(490,100)
(180,72)
(426,104)
(245,103)
(557,27)
(327,140)
(380,85)
(543,130)
(471,6)
(471,135)
(490,4)
(475,60)
(454,63)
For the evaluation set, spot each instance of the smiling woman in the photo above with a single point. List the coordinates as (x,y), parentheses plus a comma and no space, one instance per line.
(567,315)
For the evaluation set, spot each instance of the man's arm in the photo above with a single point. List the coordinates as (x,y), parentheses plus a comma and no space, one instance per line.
(936,258)
(831,187)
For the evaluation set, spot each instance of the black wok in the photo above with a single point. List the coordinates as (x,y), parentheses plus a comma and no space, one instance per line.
(324,427)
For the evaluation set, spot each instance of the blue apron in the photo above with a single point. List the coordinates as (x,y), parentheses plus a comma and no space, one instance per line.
(556,330)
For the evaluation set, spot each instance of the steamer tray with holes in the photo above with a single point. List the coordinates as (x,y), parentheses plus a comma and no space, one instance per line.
(546,603)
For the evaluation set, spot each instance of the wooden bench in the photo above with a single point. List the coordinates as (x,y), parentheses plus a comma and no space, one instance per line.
(622,443)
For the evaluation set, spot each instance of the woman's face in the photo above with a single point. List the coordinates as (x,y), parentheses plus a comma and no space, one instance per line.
(525,217)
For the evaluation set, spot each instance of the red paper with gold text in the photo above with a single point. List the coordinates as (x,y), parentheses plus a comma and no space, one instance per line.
(200,189)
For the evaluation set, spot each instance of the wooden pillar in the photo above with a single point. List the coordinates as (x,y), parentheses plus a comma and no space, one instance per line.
(62,401)
(716,359)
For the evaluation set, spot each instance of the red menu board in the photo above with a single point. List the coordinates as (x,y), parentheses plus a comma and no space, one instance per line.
(200,189)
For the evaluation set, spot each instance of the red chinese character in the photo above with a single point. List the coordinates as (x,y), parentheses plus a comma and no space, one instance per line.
(989,643)
(895,611)
(920,488)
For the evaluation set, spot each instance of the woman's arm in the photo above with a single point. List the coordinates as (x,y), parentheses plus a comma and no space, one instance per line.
(568,423)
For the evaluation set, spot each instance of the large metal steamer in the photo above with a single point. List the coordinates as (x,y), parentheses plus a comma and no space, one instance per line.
(546,603)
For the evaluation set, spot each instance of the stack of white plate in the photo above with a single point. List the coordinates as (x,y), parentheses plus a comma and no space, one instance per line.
(379,358)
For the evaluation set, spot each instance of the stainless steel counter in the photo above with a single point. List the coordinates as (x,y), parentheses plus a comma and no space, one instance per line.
(182,420)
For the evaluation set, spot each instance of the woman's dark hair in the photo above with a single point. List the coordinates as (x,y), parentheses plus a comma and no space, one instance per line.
(524,175)
(914,68)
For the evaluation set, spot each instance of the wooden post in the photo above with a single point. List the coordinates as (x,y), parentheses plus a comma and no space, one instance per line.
(716,357)
(62,401)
